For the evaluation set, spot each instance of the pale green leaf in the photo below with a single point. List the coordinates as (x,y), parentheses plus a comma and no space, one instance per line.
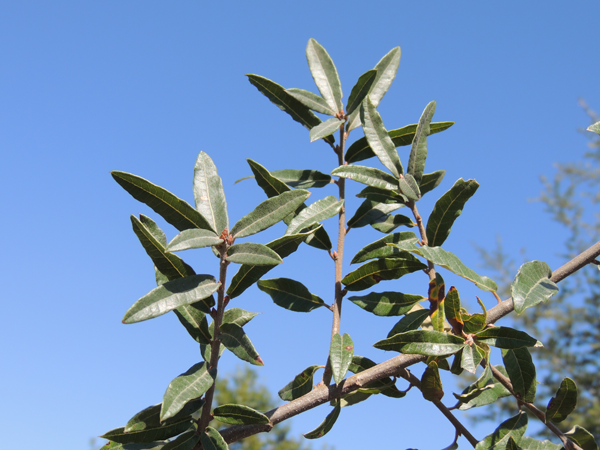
(582,437)
(370,211)
(325,74)
(430,181)
(409,187)
(418,151)
(212,440)
(507,338)
(193,238)
(386,303)
(360,90)
(302,179)
(367,175)
(471,358)
(325,129)
(484,391)
(290,294)
(529,443)
(341,351)
(390,222)
(192,317)
(373,272)
(186,387)
(429,343)
(532,285)
(594,128)
(381,249)
(209,193)
(301,384)
(314,213)
(253,254)
(381,195)
(312,101)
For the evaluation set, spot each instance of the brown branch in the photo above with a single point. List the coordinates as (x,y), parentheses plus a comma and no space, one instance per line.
(413,207)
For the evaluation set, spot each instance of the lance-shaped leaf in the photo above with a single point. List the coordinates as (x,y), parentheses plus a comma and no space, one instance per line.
(301,384)
(431,383)
(409,187)
(315,213)
(386,386)
(341,351)
(290,294)
(521,371)
(436,295)
(373,272)
(238,316)
(156,445)
(249,274)
(507,338)
(269,212)
(360,90)
(194,320)
(418,151)
(582,437)
(530,443)
(378,138)
(147,436)
(564,401)
(430,181)
(186,387)
(410,322)
(312,101)
(367,175)
(595,127)
(325,129)
(429,343)
(474,323)
(381,249)
(370,211)
(447,209)
(471,358)
(237,342)
(452,309)
(302,179)
(171,295)
(149,417)
(381,195)
(514,427)
(193,238)
(386,303)
(389,223)
(239,415)
(276,93)
(484,391)
(253,253)
(212,440)
(326,425)
(532,285)
(177,212)
(209,193)
(325,74)
(186,441)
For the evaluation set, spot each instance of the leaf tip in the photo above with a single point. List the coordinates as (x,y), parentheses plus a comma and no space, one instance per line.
(259,361)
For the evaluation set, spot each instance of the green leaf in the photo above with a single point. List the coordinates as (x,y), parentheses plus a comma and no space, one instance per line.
(325,129)
(360,90)
(564,401)
(387,303)
(521,371)
(238,316)
(512,445)
(186,441)
(429,343)
(212,440)
(268,213)
(301,384)
(156,445)
(239,415)
(471,358)
(386,385)
(409,187)
(269,183)
(370,211)
(418,151)
(194,320)
(186,387)
(341,351)
(484,391)
(452,310)
(507,338)
(436,295)
(193,238)
(474,323)
(147,436)
(237,342)
(594,128)
(209,194)
(354,397)
(253,253)
(430,181)
(325,74)
(302,179)
(312,101)
(381,249)
(431,383)
(171,295)
(315,213)
(529,443)
(249,274)
(177,212)
(389,223)
(326,425)
(276,93)
(447,209)
(582,437)
(373,272)
(378,138)
(367,175)
(532,285)
(290,294)
(381,195)
(514,427)
(410,322)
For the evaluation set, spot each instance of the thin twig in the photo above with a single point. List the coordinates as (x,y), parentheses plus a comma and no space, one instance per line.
(412,205)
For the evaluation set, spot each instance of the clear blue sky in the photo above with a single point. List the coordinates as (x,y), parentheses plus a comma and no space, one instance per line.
(143,86)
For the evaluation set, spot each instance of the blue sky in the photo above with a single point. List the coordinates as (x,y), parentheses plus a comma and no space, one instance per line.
(143,86)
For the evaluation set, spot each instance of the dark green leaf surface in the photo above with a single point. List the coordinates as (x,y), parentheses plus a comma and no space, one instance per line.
(325,74)
(192,317)
(367,175)
(378,138)
(521,371)
(269,212)
(387,67)
(514,427)
(387,303)
(171,295)
(253,254)
(430,181)
(325,129)
(209,193)
(447,209)
(316,212)
(409,187)
(238,316)
(452,309)
(380,248)
(353,398)
(146,436)
(341,351)
(302,179)
(193,238)
(582,437)
(507,338)
(312,101)
(474,323)
(326,425)
(564,401)
(471,358)
(177,212)
(269,183)
(386,385)
(186,441)
(529,443)
(156,445)
(484,391)
(237,342)
(370,211)
(436,295)
(410,322)
(301,384)
(239,415)
(186,387)
(431,383)
(389,223)
(381,195)
(418,151)
(290,294)
(360,90)
(373,272)
(532,285)
(212,440)
(429,343)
